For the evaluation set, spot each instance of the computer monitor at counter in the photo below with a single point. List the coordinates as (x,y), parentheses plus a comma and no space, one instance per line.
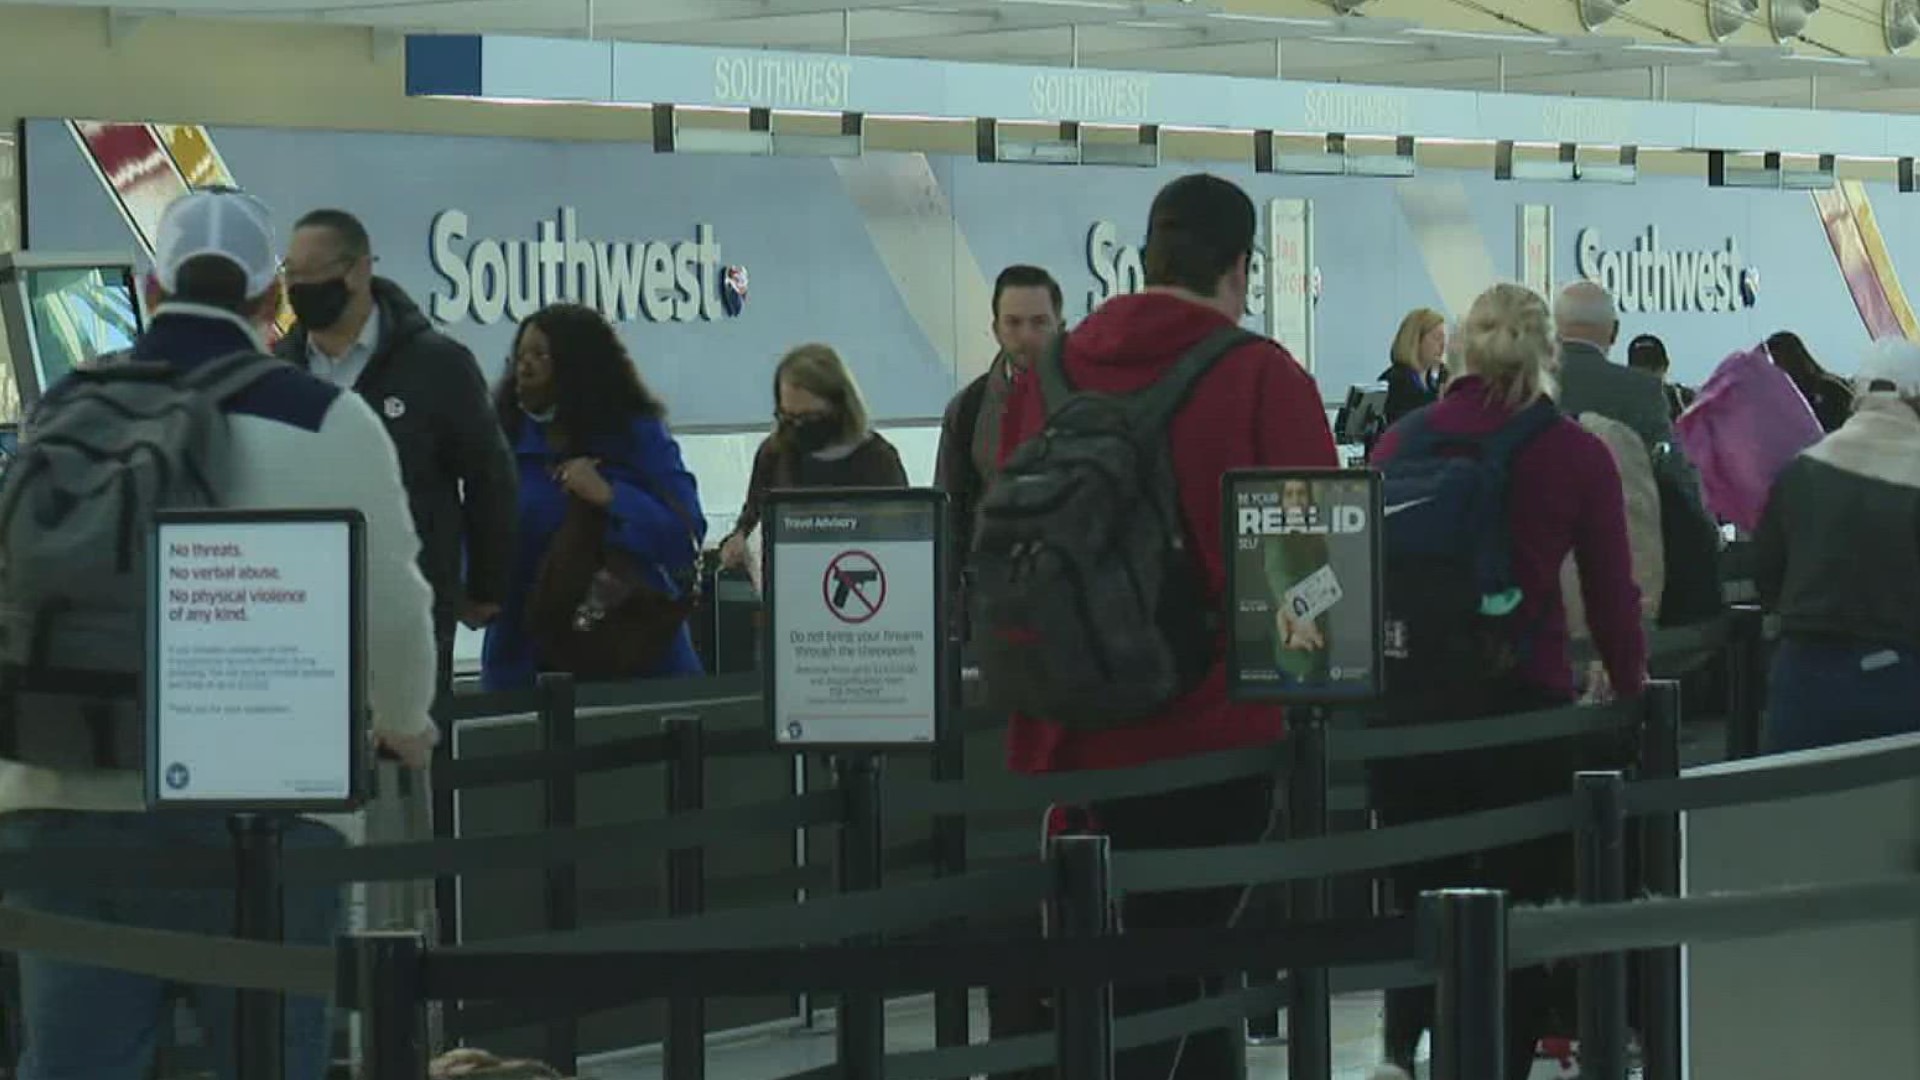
(63,310)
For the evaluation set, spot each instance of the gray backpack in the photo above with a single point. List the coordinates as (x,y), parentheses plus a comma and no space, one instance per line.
(107,447)
(1088,604)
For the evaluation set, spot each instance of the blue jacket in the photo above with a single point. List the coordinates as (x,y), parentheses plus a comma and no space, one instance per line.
(642,525)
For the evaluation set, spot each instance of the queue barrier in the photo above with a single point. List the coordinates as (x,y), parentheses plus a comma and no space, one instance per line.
(560,761)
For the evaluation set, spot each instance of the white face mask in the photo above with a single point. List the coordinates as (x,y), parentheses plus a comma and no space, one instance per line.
(539,417)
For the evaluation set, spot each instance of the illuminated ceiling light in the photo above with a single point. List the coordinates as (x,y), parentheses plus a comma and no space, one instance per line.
(1789,17)
(1726,17)
(1348,7)
(1902,22)
(1595,12)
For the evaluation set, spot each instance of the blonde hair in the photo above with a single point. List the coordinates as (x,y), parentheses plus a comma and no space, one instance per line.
(1414,330)
(1508,339)
(819,371)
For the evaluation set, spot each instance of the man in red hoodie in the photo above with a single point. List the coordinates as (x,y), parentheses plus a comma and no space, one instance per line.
(1256,407)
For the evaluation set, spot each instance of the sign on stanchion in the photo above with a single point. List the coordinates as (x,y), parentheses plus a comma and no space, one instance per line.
(856,604)
(1305,602)
(255,697)
(255,690)
(1305,619)
(856,663)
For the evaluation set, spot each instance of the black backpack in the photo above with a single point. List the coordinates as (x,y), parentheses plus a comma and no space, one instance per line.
(1089,608)
(1450,592)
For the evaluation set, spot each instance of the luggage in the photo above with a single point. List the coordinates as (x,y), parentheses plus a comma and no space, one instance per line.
(1088,608)
(1747,423)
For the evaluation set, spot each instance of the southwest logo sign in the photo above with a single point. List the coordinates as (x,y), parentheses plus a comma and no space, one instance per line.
(487,279)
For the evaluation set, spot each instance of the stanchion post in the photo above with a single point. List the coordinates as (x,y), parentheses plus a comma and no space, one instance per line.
(1660,876)
(1309,999)
(446,887)
(560,811)
(1746,680)
(380,974)
(1083,908)
(686,1042)
(1468,938)
(951,1011)
(1600,840)
(862,1030)
(259,1038)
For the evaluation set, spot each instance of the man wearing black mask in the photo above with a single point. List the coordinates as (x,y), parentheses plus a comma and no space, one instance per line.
(361,331)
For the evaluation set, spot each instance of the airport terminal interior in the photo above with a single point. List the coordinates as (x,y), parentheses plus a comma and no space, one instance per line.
(727,180)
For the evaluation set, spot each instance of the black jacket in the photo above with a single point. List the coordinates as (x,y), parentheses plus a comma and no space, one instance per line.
(428,390)
(1407,391)
(1838,549)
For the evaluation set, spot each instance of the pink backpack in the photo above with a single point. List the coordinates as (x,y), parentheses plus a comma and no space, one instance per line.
(1748,423)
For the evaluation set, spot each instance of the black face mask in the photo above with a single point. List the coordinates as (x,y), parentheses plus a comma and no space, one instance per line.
(811,435)
(320,305)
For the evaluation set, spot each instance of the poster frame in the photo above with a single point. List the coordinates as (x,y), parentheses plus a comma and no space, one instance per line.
(1265,693)
(786,499)
(151,686)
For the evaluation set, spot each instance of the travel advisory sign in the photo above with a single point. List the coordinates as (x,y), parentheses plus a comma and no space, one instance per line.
(855,610)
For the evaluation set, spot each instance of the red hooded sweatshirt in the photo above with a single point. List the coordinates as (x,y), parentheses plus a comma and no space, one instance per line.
(1256,407)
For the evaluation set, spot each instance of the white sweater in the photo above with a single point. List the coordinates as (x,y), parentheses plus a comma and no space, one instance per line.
(298,443)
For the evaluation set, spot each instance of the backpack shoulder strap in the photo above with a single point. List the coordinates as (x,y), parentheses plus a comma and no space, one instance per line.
(1515,434)
(1158,403)
(1055,386)
(222,378)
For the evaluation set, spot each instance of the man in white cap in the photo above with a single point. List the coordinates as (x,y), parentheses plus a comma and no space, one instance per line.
(295,441)
(1837,559)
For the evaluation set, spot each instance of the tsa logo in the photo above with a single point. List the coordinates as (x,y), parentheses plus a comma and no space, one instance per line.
(733,290)
(178,777)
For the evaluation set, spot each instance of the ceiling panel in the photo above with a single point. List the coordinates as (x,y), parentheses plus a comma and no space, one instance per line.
(1538,45)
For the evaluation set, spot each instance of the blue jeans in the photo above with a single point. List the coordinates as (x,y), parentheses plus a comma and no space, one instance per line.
(86,1023)
(1825,693)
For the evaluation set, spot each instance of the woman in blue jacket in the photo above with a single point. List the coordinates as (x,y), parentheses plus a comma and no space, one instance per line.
(584,426)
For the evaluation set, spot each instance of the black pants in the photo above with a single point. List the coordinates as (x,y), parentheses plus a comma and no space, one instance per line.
(1237,812)
(1421,789)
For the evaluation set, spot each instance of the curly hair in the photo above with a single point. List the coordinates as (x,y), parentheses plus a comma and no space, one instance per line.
(597,389)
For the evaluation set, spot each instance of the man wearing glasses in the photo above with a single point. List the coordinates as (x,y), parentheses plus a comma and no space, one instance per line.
(362,332)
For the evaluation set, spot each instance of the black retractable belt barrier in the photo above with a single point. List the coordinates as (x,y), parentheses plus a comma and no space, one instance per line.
(380,975)
(862,1031)
(686,1041)
(1601,846)
(1467,932)
(1083,908)
(1659,759)
(259,1040)
(446,887)
(560,811)
(1746,681)
(1309,1000)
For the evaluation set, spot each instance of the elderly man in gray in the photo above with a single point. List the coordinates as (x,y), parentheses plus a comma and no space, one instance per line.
(1590,381)
(1589,327)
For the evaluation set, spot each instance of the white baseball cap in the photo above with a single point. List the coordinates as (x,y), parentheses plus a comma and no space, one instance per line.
(222,222)
(1894,361)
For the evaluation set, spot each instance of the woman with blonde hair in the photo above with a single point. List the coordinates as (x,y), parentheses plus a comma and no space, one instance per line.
(1563,496)
(1418,370)
(821,439)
